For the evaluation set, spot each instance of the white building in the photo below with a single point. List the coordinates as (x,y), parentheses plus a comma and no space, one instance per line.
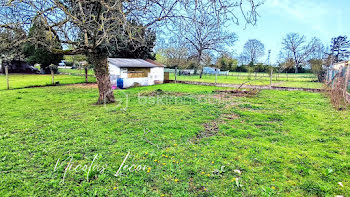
(337,70)
(125,73)
(340,65)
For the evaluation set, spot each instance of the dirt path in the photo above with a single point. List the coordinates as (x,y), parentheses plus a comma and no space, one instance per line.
(277,84)
(247,86)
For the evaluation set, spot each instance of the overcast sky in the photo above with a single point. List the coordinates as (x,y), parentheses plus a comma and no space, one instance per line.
(321,18)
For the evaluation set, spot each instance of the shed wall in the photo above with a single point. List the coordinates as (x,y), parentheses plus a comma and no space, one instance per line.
(130,79)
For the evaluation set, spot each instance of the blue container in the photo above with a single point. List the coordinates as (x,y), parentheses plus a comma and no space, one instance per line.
(120,83)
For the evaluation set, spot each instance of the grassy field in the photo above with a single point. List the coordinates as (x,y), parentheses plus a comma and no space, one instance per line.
(75,71)
(293,80)
(277,143)
(28,80)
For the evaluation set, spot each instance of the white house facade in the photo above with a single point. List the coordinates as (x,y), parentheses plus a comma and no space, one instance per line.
(125,73)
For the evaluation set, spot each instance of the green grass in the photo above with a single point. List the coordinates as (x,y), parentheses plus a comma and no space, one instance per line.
(28,80)
(284,143)
(293,80)
(75,71)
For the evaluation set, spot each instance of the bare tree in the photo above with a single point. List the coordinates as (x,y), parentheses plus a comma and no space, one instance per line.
(92,27)
(203,33)
(243,59)
(318,59)
(174,56)
(253,49)
(295,47)
(319,50)
(340,48)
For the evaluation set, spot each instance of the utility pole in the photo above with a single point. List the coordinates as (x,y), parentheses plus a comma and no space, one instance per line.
(268,58)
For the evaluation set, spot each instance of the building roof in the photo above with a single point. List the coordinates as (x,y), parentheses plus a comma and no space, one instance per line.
(133,63)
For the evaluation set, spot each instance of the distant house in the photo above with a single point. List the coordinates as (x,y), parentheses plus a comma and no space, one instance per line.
(125,73)
(211,70)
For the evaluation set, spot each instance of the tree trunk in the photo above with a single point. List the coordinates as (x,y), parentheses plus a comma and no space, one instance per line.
(199,63)
(102,76)
(296,66)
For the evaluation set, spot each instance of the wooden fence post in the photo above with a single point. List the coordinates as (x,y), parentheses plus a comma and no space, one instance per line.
(175,73)
(271,77)
(52,77)
(86,74)
(276,76)
(7,77)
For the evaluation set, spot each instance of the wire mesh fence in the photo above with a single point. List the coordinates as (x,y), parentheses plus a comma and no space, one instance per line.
(77,72)
(337,78)
(25,80)
(300,80)
(336,75)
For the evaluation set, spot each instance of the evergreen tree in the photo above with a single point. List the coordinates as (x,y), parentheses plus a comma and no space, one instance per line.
(37,53)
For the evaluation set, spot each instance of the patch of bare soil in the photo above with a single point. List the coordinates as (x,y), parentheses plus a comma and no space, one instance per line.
(277,84)
(160,92)
(195,188)
(210,129)
(237,93)
(229,116)
(84,85)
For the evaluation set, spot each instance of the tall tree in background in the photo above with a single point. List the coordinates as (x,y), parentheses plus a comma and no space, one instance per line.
(317,60)
(11,41)
(226,63)
(37,53)
(340,48)
(124,47)
(172,53)
(96,27)
(243,59)
(296,47)
(174,56)
(203,34)
(316,68)
(253,49)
